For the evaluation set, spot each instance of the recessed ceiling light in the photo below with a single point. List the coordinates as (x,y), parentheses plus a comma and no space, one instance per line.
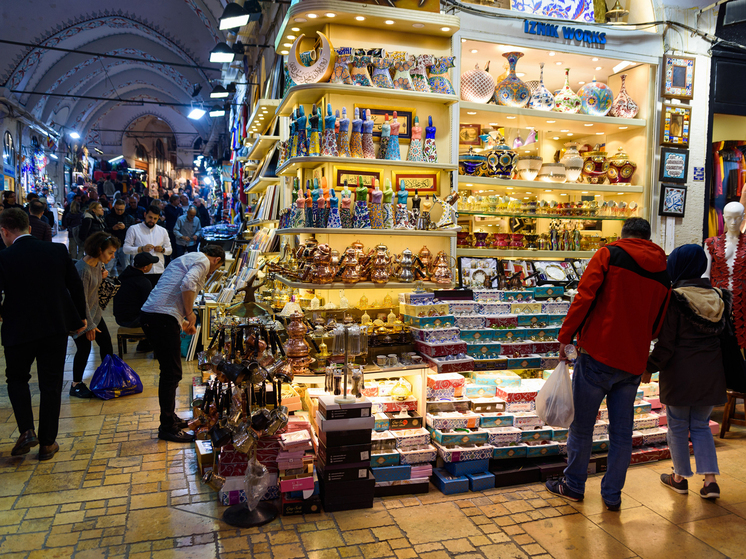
(527,192)
(329,14)
(552,53)
(528,151)
(494,124)
(563,194)
(296,29)
(569,133)
(312,16)
(389,22)
(509,188)
(300,20)
(291,37)
(525,197)
(620,193)
(555,138)
(474,51)
(599,133)
(471,112)
(623,127)
(463,40)
(564,130)
(594,59)
(418,25)
(283,52)
(599,67)
(551,121)
(558,63)
(588,124)
(445,28)
(596,195)
(360,18)
(584,192)
(547,191)
(520,74)
(469,184)
(511,118)
(581,83)
(288,45)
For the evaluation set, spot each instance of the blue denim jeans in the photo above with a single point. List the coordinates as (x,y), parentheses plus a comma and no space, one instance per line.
(591,382)
(694,422)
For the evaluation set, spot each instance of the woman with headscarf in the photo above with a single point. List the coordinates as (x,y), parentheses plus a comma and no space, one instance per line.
(692,379)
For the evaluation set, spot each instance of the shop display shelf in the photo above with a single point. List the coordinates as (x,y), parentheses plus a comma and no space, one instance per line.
(260,184)
(525,253)
(466,182)
(255,222)
(263,115)
(365,232)
(539,120)
(372,372)
(295,163)
(361,285)
(480,213)
(261,145)
(375,18)
(307,94)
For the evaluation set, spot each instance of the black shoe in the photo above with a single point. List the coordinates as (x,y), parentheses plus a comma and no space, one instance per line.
(180,423)
(613,508)
(710,491)
(46,452)
(678,486)
(80,390)
(560,488)
(25,442)
(175,435)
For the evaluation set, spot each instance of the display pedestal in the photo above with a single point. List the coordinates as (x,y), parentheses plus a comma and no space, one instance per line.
(240,516)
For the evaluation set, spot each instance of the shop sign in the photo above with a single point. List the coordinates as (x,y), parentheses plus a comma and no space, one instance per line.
(699,173)
(8,169)
(576,34)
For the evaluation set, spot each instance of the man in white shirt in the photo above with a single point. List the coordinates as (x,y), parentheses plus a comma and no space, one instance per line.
(150,237)
(169,310)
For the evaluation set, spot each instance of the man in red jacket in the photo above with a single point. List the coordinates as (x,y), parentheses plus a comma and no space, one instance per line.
(618,310)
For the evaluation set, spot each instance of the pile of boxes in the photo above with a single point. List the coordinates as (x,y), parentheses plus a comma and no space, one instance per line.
(299,484)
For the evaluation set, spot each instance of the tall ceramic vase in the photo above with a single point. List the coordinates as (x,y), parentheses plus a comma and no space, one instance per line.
(623,106)
(566,101)
(512,92)
(541,98)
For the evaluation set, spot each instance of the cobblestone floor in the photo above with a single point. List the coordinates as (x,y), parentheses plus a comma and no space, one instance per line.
(114,490)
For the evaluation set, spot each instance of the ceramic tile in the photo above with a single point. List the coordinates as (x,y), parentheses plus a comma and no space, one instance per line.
(568,537)
(435,522)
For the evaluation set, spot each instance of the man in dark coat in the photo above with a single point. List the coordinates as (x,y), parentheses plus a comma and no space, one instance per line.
(134,290)
(35,328)
(39,228)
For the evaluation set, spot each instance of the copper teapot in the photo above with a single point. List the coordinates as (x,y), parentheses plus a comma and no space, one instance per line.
(322,265)
(296,346)
(426,261)
(350,267)
(441,270)
(380,265)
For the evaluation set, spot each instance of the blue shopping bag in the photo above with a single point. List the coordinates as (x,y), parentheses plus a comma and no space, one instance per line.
(114,378)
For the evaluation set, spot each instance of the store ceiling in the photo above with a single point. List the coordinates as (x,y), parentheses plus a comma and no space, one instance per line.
(182,31)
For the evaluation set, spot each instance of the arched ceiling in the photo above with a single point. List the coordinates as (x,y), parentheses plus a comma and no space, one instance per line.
(176,31)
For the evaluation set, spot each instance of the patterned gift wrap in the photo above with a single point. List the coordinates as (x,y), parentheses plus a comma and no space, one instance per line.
(504,436)
(559,434)
(521,407)
(433,394)
(388,405)
(562,448)
(464,454)
(441,335)
(542,334)
(509,320)
(484,350)
(384,458)
(561,307)
(471,322)
(530,362)
(460,437)
(654,436)
(521,346)
(496,308)
(453,420)
(529,319)
(487,405)
(411,437)
(417,298)
(479,390)
(545,347)
(543,448)
(647,421)
(452,366)
(447,380)
(477,336)
(527,420)
(600,444)
(540,434)
(601,428)
(556,319)
(509,334)
(643,408)
(461,405)
(490,420)
(384,440)
(486,295)
(548,291)
(463,307)
(637,439)
(440,350)
(382,422)
(430,309)
(525,308)
(516,451)
(431,321)
(499,364)
(423,456)
(603,413)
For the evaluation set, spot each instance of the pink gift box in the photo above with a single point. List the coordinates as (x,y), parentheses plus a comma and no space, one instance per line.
(505,320)
(297,484)
(439,350)
(516,394)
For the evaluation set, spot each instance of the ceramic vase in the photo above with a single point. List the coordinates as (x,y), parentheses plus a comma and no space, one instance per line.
(620,169)
(565,100)
(438,80)
(595,98)
(501,162)
(512,92)
(623,106)
(477,86)
(541,98)
(573,162)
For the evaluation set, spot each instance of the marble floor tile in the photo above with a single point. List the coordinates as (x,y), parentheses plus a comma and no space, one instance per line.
(569,537)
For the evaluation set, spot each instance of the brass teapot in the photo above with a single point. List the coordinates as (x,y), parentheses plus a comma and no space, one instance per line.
(350,267)
(322,265)
(380,265)
(426,261)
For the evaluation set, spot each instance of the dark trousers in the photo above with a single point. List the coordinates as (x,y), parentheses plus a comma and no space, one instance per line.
(164,334)
(49,354)
(83,345)
(180,250)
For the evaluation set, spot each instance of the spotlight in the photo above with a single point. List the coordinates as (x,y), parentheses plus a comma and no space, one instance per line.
(218,92)
(74,135)
(234,16)
(217,111)
(222,53)
(196,113)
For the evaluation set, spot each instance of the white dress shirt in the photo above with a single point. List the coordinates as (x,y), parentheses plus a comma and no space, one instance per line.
(187,273)
(140,235)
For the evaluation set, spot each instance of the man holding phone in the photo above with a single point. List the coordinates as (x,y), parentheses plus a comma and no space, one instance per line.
(150,237)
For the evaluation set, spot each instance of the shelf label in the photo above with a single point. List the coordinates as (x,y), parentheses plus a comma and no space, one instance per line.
(576,34)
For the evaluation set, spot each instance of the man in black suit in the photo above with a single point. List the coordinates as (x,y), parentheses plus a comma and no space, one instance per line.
(37,317)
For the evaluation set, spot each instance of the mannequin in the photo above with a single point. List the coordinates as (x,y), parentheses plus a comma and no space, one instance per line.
(345,207)
(362,217)
(388,207)
(375,208)
(329,143)
(336,131)
(381,76)
(383,143)
(334,221)
(402,220)
(344,135)
(393,152)
(360,62)
(369,149)
(726,264)
(300,127)
(356,139)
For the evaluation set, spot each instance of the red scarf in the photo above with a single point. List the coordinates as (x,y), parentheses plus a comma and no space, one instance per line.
(720,277)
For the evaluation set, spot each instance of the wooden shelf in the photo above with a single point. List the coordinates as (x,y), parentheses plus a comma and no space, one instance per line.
(361,285)
(260,184)
(256,222)
(261,145)
(537,187)
(364,232)
(308,94)
(510,117)
(295,163)
(532,254)
(479,213)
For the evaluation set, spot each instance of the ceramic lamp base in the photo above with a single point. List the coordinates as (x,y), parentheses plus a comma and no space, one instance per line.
(239,515)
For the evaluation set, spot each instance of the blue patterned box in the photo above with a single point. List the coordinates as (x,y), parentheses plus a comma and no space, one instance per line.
(385,458)
(499,364)
(437,394)
(449,484)
(527,420)
(489,420)
(392,473)
(601,428)
(640,395)
(479,390)
(559,434)
(509,334)
(643,407)
(487,295)
(529,319)
(449,421)
(530,362)
(504,436)
(463,307)
(521,407)
(497,378)
(601,445)
(525,308)
(516,295)
(382,422)
(464,454)
(471,322)
(468,467)
(411,437)
(489,350)
(514,451)
(495,308)
(472,436)
(477,336)
(548,291)
(418,298)
(560,307)
(532,435)
(436,336)
(539,449)
(419,456)
(481,481)
(432,321)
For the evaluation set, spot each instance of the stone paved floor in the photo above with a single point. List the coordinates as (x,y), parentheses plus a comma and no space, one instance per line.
(114,490)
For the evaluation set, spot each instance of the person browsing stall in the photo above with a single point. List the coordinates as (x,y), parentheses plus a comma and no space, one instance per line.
(150,237)
(186,232)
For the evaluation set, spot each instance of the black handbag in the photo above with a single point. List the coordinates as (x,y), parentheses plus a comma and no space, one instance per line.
(106,291)
(733,361)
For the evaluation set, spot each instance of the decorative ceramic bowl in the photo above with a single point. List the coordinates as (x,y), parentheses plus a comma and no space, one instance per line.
(552,172)
(528,166)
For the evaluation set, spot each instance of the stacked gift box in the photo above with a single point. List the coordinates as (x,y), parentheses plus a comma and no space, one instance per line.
(343,465)
(299,484)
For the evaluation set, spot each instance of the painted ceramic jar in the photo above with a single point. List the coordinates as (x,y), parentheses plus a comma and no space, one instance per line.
(472,164)
(595,98)
(552,172)
(623,106)
(477,86)
(595,166)
(573,162)
(512,92)
(541,98)
(565,100)
(621,168)
(528,166)
(481,240)
(501,161)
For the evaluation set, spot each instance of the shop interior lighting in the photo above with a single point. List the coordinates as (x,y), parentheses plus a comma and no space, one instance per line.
(300,20)
(418,25)
(234,16)
(53,156)
(620,193)
(463,40)
(117,158)
(621,66)
(284,52)
(520,74)
(623,127)
(74,135)
(94,149)
(558,63)
(196,113)
(511,118)
(445,29)
(570,134)
(219,92)
(312,16)
(552,53)
(555,138)
(597,134)
(216,112)
(471,112)
(296,29)
(288,45)
(221,54)
(290,37)
(551,121)
(581,83)
(329,14)
(584,192)
(599,68)
(359,18)
(389,22)
(588,124)
(474,51)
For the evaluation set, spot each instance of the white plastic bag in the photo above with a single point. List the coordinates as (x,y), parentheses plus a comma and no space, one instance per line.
(554,403)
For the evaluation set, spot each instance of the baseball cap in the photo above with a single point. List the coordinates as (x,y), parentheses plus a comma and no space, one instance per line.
(144,258)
